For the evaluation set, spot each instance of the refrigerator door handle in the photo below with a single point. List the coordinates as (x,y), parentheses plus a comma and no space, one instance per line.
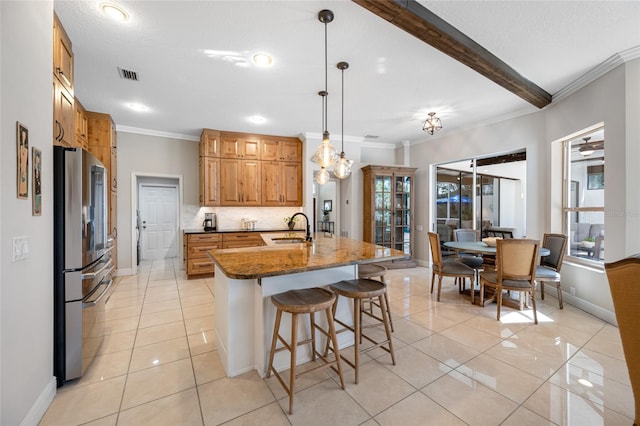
(95,301)
(98,272)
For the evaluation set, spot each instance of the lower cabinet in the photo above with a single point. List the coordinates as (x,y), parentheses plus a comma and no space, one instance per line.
(197,261)
(241,239)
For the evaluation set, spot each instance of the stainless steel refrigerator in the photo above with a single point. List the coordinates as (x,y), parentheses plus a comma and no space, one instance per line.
(82,260)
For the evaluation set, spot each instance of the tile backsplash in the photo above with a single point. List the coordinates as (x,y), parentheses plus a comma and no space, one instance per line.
(230,217)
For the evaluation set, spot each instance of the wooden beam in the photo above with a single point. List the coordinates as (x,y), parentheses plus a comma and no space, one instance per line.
(420,22)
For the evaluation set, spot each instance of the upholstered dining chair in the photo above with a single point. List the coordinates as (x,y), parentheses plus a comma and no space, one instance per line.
(469,259)
(549,269)
(446,269)
(515,271)
(625,292)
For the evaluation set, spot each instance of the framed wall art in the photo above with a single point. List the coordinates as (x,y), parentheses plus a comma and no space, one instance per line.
(36,159)
(22,138)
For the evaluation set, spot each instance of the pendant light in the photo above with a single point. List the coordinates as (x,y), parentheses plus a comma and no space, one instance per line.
(326,154)
(342,169)
(323,176)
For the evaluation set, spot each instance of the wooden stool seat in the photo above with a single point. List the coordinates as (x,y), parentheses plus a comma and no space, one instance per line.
(372,270)
(305,301)
(359,290)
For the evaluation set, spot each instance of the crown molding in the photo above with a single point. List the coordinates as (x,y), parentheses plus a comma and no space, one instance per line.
(597,72)
(149,132)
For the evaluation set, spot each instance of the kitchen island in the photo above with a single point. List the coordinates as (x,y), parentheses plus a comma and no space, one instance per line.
(245,279)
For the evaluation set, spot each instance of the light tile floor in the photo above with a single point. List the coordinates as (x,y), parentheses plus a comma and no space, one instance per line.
(455,365)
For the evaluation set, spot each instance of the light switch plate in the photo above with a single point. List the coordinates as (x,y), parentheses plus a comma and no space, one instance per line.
(20,248)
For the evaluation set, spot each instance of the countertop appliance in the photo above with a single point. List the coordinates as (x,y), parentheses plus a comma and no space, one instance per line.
(82,260)
(209,223)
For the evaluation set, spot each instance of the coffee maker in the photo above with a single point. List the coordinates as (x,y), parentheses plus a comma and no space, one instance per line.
(209,223)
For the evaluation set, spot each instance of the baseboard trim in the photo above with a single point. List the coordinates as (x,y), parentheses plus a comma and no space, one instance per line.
(37,410)
(588,307)
(123,272)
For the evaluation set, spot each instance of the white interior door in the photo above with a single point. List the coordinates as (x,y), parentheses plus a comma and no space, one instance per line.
(159,213)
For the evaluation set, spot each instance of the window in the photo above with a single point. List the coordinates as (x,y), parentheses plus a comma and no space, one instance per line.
(583,205)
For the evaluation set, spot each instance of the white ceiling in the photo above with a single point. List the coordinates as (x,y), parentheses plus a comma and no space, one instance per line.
(394,79)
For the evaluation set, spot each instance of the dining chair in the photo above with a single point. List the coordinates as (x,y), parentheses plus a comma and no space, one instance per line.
(468,235)
(469,259)
(515,271)
(625,292)
(446,269)
(549,269)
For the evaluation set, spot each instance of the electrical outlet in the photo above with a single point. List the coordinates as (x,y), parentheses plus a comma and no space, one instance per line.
(20,248)
(572,291)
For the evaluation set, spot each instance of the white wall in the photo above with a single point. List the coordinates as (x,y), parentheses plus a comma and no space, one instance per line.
(26,287)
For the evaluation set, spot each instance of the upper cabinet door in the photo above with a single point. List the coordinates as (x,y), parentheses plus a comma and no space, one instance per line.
(210,143)
(291,150)
(286,149)
(239,146)
(62,55)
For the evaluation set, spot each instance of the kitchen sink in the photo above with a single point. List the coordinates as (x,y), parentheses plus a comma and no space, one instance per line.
(288,240)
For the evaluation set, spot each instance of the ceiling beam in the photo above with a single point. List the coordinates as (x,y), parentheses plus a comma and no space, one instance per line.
(420,22)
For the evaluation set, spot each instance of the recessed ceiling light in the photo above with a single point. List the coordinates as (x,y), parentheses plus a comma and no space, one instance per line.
(585,382)
(262,59)
(114,12)
(137,107)
(257,119)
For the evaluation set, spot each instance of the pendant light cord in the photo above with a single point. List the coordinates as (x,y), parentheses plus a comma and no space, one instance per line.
(326,86)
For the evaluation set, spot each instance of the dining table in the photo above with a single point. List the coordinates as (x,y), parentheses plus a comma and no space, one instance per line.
(480,247)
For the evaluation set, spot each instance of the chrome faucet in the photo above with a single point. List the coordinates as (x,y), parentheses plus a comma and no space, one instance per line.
(308,236)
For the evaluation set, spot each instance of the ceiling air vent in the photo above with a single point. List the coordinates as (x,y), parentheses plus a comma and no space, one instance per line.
(128,74)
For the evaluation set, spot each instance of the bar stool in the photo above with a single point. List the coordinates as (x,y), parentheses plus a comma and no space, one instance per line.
(306,301)
(359,290)
(372,270)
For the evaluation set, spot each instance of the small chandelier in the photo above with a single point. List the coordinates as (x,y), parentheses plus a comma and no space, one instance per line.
(342,169)
(326,154)
(432,124)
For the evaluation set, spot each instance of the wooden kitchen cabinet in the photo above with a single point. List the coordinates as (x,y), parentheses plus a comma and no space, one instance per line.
(239,145)
(240,182)
(210,143)
(240,169)
(81,125)
(281,183)
(281,149)
(63,100)
(63,115)
(197,261)
(209,181)
(62,56)
(388,207)
(241,239)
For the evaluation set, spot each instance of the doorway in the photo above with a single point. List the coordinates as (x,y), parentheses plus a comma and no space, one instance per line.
(155,217)
(158,208)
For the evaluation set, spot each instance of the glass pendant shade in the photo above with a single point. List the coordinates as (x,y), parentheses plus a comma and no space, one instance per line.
(323,176)
(326,154)
(342,169)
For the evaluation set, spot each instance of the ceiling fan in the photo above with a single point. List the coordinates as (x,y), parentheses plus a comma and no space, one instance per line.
(588,148)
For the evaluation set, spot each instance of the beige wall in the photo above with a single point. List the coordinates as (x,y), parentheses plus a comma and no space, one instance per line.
(150,155)
(27,384)
(613,99)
